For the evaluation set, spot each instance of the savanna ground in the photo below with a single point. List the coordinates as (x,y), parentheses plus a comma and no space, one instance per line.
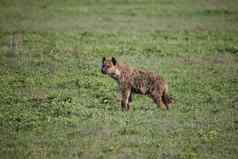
(55,103)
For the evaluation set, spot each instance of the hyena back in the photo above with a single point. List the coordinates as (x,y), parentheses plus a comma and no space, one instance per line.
(136,81)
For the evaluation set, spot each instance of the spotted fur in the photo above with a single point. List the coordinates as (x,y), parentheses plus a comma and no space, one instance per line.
(136,81)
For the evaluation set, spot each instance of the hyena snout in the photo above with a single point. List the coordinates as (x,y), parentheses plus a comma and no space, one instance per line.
(104,69)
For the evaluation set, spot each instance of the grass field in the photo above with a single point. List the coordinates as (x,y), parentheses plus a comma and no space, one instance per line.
(55,103)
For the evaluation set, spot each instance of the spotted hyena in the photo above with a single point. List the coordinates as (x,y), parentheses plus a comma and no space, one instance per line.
(136,81)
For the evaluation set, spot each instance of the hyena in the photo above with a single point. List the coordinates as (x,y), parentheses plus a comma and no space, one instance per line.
(136,81)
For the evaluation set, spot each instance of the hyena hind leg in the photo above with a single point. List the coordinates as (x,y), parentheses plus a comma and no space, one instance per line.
(129,101)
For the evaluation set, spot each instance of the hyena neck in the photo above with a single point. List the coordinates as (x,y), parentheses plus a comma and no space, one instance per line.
(122,73)
(117,74)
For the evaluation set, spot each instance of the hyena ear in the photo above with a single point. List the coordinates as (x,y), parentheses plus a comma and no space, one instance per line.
(103,59)
(114,61)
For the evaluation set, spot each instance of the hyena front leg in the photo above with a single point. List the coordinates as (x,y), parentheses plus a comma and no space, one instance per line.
(126,99)
(156,96)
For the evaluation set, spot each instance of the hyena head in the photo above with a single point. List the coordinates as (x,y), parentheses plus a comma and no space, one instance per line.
(110,67)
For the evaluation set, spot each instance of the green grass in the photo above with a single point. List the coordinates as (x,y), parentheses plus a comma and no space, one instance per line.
(55,103)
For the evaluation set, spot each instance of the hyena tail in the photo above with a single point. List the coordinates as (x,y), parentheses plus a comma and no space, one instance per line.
(167,100)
